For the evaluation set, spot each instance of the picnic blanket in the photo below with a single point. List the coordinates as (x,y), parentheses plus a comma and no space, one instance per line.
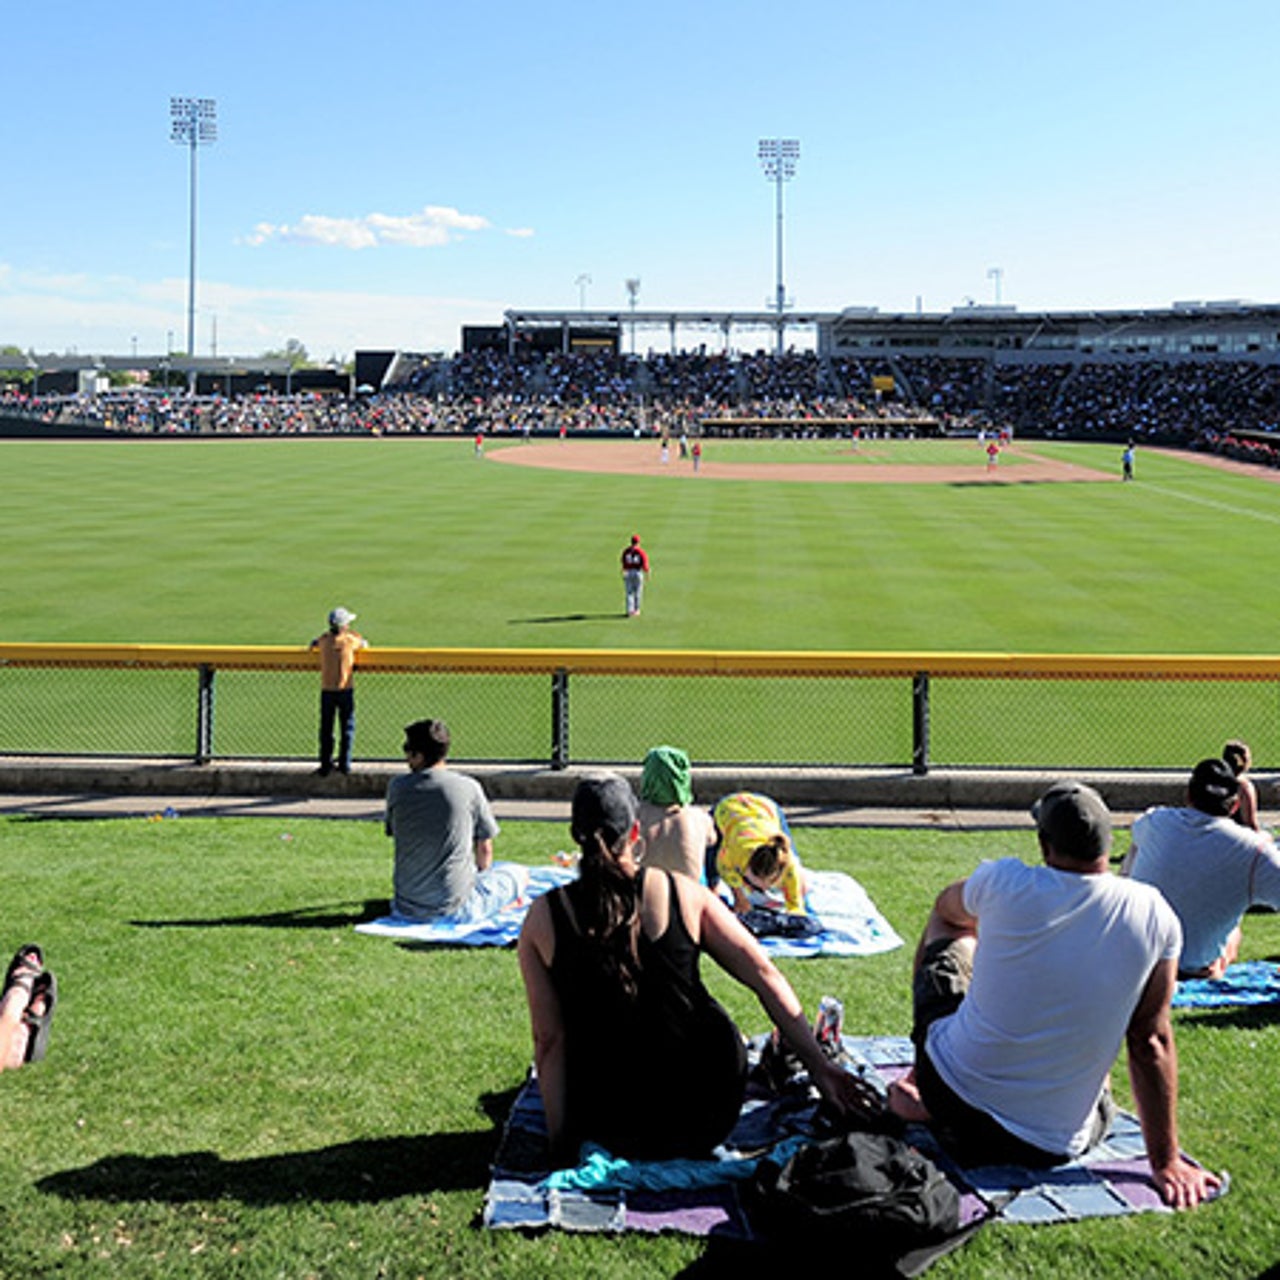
(500,931)
(851,923)
(1250,982)
(702,1198)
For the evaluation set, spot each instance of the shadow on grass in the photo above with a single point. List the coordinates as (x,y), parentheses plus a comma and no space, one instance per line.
(567,617)
(1248,1017)
(326,916)
(738,1259)
(363,1172)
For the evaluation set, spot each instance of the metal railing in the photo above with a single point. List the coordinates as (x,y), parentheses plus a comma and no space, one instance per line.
(581,706)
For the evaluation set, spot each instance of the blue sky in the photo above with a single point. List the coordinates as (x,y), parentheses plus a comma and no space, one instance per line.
(387,172)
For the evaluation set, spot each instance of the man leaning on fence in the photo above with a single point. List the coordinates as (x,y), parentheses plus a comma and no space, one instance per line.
(337,648)
(1028,978)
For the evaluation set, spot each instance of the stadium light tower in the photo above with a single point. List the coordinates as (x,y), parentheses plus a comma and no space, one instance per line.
(996,274)
(633,292)
(778,158)
(193,124)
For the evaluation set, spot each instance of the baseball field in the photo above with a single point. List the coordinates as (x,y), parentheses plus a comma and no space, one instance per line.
(797,544)
(251,541)
(239,1085)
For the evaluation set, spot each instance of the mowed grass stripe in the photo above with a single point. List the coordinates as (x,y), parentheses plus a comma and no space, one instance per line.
(251,541)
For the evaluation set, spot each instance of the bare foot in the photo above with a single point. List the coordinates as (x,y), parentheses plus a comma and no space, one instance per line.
(14,1002)
(22,1033)
(904,1101)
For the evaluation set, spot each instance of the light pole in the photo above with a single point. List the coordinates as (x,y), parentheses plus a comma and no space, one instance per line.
(778,158)
(582,281)
(633,292)
(996,274)
(193,124)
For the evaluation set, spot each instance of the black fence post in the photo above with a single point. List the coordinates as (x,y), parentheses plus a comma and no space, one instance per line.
(560,719)
(204,716)
(920,723)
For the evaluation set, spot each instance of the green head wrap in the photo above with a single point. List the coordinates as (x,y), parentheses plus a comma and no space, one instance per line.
(667,777)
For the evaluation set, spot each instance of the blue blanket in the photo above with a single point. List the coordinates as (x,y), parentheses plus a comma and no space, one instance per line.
(1251,982)
(851,924)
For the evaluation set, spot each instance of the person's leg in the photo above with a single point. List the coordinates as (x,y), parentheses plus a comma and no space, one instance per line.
(943,970)
(1230,950)
(328,710)
(347,727)
(496,888)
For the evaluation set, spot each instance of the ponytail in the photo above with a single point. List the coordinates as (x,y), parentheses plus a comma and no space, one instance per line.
(770,857)
(609,910)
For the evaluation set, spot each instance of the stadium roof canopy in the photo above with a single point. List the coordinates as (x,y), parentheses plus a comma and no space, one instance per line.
(1185,328)
(726,323)
(49,363)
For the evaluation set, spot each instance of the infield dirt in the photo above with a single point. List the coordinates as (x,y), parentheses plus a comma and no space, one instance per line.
(641,458)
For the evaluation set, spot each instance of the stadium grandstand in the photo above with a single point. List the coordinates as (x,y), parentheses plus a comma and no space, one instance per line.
(1205,374)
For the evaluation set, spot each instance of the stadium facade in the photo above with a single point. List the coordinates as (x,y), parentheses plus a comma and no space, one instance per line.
(1184,331)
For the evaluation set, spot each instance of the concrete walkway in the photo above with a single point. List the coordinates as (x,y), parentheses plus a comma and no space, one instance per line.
(942,799)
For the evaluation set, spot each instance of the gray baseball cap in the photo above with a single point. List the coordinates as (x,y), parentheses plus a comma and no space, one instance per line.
(1075,820)
(604,803)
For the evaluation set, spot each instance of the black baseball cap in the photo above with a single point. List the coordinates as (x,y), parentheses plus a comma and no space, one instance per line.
(1213,787)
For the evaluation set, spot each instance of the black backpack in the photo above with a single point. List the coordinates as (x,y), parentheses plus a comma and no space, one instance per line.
(869,1190)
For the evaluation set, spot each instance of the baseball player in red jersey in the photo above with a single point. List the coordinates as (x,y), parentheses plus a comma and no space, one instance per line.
(635,568)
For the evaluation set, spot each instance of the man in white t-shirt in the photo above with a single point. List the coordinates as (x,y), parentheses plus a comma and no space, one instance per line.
(1028,979)
(1209,868)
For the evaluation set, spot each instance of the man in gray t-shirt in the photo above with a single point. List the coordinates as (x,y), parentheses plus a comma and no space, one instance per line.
(443,830)
(1209,868)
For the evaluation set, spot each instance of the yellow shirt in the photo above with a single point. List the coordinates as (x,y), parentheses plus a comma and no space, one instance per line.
(747,821)
(338,657)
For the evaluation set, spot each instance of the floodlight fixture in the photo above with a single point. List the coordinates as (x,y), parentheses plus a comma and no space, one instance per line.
(193,124)
(778,157)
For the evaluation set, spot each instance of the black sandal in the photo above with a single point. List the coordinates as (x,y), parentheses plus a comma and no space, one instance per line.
(40,1024)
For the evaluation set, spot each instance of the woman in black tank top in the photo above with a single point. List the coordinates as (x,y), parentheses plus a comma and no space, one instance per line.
(632,1051)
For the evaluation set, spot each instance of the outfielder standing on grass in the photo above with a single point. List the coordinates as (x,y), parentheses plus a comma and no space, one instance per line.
(635,568)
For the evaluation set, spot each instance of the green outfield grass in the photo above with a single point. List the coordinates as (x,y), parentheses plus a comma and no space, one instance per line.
(239,1085)
(251,541)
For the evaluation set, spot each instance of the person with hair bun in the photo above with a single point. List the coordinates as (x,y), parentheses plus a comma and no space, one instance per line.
(756,858)
(1239,758)
(632,1051)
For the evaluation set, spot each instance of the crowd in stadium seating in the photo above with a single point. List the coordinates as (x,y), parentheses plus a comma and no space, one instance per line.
(1204,403)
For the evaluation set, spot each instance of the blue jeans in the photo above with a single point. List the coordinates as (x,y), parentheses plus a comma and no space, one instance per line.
(339,704)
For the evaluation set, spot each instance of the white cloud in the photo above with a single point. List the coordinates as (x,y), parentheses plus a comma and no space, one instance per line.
(521,233)
(104,314)
(435,225)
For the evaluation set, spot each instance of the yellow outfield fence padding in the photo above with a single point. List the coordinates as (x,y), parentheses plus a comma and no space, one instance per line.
(804,709)
(674,662)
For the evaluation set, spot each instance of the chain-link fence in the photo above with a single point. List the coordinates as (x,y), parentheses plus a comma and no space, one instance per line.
(532,706)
